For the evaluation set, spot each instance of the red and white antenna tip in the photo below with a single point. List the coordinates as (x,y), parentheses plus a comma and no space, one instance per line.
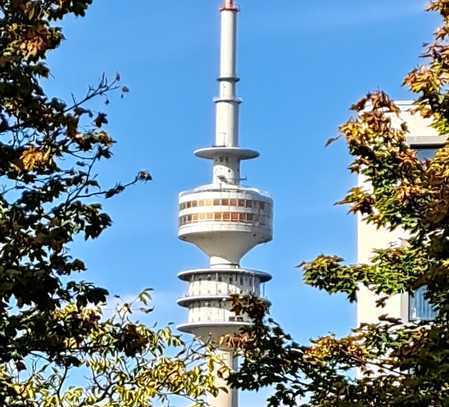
(230,5)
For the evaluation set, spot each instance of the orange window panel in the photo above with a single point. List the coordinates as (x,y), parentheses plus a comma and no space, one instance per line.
(233,202)
(217,202)
(234,216)
(226,215)
(217,215)
(210,216)
(225,202)
(242,203)
(242,217)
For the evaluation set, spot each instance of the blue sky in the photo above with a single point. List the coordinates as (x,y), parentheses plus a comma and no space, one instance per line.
(302,64)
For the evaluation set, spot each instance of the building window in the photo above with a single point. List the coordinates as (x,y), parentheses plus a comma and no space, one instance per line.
(426,152)
(420,308)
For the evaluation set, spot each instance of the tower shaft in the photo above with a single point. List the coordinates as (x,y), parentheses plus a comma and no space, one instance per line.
(227,398)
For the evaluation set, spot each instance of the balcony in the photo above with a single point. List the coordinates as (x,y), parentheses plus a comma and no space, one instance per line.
(225,272)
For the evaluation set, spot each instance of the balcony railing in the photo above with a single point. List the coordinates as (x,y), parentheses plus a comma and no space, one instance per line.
(219,292)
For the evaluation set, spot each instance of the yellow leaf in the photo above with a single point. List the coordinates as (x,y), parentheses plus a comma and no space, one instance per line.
(32,158)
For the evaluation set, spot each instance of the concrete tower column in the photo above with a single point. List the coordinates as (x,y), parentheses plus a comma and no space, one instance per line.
(230,397)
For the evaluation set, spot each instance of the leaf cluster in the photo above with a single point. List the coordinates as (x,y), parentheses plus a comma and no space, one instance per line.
(398,364)
(52,323)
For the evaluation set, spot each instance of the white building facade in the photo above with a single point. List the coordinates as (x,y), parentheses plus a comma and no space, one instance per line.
(425,140)
(224,219)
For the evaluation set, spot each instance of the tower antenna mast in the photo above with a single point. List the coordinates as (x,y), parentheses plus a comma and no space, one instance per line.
(230,5)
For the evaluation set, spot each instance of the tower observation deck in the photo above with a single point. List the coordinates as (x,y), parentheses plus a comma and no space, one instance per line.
(224,219)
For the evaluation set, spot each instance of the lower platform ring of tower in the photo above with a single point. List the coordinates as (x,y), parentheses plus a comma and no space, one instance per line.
(225,271)
(209,298)
(214,331)
(221,298)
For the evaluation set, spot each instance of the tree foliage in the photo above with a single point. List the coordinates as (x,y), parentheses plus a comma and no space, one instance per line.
(401,364)
(52,322)
(124,363)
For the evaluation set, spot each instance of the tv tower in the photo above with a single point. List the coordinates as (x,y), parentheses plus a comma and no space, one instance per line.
(224,219)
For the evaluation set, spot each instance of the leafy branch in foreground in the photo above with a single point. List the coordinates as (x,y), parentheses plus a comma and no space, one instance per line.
(123,363)
(53,330)
(399,364)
